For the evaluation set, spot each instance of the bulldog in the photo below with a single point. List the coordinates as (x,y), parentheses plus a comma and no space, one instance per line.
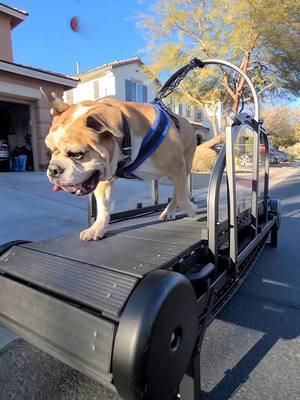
(86,142)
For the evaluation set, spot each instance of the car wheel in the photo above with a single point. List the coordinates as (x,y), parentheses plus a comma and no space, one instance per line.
(244,160)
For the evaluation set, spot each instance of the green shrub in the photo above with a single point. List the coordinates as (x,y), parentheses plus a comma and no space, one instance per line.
(204,160)
(293,151)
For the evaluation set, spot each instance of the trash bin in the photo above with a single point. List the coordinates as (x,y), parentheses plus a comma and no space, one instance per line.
(22,160)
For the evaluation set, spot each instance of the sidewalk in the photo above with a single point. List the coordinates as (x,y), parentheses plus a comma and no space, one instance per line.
(31,210)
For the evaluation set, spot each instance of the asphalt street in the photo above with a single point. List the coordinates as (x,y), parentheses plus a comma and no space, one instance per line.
(251,350)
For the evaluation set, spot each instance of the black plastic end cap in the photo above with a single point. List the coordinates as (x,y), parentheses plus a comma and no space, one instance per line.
(6,246)
(196,63)
(156,337)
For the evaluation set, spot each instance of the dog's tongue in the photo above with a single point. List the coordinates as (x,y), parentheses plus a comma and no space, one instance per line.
(67,188)
(57,188)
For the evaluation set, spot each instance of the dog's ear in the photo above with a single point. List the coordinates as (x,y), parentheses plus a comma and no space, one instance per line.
(106,119)
(58,106)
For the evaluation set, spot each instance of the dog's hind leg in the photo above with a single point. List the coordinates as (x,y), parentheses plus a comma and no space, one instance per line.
(169,212)
(181,191)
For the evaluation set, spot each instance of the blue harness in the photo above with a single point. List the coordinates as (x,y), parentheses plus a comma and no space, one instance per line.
(151,142)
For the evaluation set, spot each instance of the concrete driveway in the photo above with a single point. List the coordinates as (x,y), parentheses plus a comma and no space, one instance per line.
(31,210)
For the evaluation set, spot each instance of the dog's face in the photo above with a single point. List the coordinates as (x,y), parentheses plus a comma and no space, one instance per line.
(83,141)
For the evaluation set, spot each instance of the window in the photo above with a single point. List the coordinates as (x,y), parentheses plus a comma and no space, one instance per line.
(135,91)
(199,115)
(179,109)
(188,111)
(96,89)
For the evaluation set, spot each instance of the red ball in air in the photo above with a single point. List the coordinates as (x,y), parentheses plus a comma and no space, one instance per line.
(75,24)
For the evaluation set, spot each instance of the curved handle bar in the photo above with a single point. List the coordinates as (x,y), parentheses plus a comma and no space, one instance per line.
(182,72)
(196,63)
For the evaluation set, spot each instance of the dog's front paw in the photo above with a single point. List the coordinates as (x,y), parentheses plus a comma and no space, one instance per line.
(95,232)
(168,215)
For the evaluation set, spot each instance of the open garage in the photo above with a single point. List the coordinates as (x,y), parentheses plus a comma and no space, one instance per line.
(16,137)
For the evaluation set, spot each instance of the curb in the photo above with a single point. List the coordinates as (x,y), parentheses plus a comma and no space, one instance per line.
(6,337)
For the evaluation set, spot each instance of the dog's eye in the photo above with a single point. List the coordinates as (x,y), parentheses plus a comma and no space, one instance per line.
(75,156)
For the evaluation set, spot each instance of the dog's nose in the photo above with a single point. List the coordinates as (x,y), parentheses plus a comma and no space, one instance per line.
(55,170)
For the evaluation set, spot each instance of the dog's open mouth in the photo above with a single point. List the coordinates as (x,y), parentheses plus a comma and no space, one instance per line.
(81,189)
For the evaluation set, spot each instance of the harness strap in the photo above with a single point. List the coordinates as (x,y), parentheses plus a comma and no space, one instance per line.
(167,110)
(126,147)
(151,142)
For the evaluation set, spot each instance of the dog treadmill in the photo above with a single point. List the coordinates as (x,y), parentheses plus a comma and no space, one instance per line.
(130,311)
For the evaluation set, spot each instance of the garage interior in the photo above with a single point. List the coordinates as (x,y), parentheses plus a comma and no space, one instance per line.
(15,137)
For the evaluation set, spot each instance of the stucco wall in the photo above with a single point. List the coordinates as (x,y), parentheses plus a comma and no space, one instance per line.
(6,52)
(85,90)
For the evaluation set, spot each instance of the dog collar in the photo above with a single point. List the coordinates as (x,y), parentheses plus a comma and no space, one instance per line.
(126,147)
(150,143)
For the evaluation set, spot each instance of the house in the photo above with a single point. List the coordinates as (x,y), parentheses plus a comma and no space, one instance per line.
(129,80)
(197,118)
(24,113)
(126,80)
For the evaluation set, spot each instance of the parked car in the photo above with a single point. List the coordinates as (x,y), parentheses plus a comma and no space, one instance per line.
(4,155)
(276,156)
(279,156)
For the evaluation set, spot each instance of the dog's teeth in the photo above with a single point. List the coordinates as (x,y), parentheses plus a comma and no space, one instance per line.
(78,192)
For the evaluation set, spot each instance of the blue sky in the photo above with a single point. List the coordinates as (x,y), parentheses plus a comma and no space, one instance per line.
(108,33)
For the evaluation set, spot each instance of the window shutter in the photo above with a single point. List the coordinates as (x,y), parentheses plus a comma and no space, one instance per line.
(130,90)
(133,91)
(145,94)
(127,90)
(139,92)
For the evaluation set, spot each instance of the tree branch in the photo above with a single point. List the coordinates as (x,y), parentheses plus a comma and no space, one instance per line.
(190,96)
(245,62)
(197,20)
(226,83)
(266,87)
(190,33)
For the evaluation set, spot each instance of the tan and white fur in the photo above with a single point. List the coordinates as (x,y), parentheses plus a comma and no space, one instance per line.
(86,138)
